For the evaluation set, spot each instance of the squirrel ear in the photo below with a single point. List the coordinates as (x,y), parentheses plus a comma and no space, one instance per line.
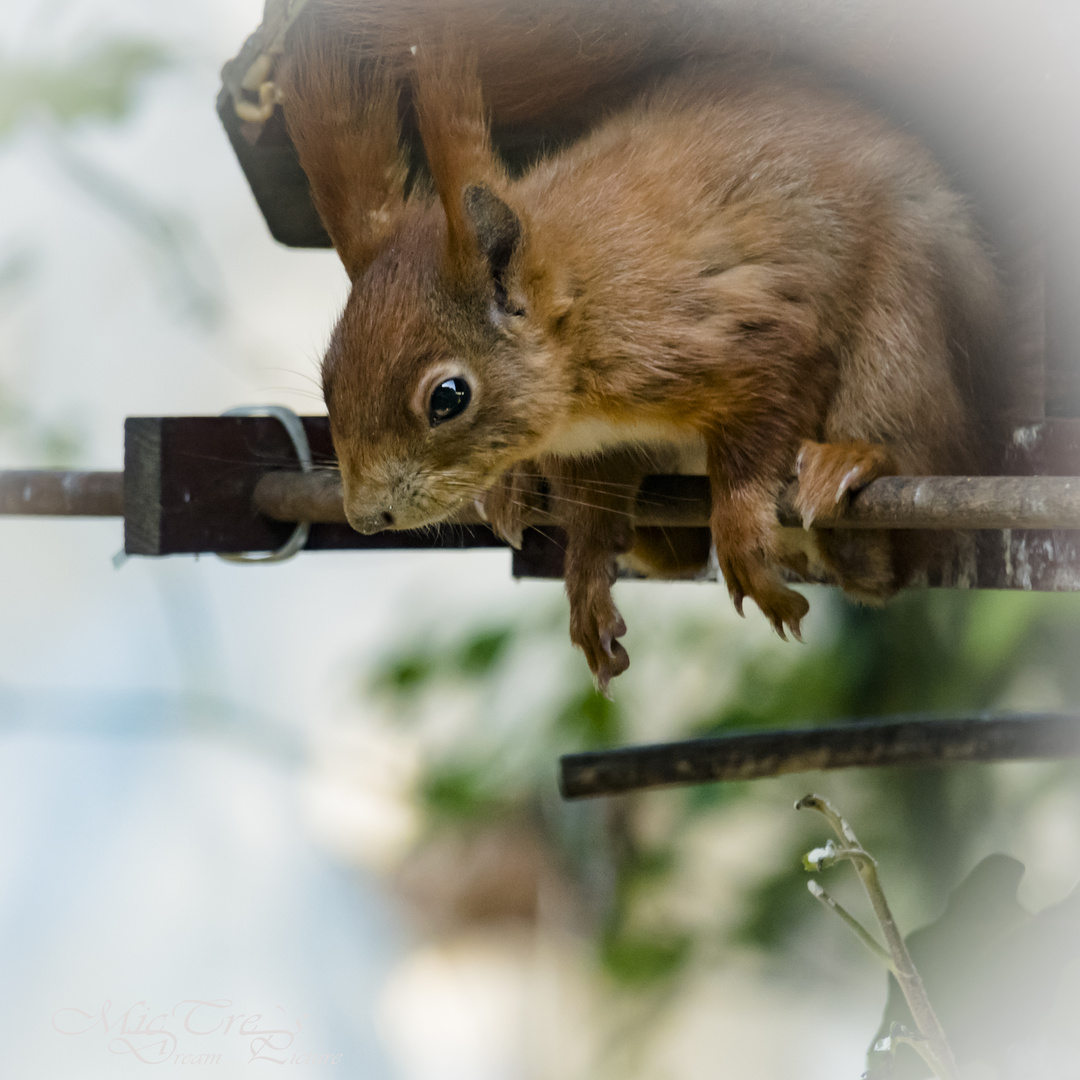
(497,230)
(343,121)
(454,130)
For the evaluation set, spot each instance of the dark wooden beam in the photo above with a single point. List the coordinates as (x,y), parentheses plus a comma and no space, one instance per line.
(189,484)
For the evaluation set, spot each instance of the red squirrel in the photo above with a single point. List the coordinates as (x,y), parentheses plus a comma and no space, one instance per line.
(739,266)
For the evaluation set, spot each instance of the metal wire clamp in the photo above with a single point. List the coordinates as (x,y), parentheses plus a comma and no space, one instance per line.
(295,430)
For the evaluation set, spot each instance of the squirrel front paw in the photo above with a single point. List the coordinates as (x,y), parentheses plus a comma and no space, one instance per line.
(744,533)
(595,627)
(828,471)
(749,574)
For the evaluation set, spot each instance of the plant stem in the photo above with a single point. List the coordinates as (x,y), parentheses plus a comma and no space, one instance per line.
(903,968)
(856,927)
(899,1034)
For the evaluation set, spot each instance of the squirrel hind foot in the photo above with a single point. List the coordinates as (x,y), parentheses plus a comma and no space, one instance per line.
(861,562)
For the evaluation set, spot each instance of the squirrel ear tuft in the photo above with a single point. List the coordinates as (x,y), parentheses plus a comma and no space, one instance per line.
(457,141)
(342,117)
(496,227)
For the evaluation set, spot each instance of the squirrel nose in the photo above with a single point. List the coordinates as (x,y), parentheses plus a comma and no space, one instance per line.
(371,521)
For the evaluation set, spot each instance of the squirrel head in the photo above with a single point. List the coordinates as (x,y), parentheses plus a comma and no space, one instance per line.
(437,378)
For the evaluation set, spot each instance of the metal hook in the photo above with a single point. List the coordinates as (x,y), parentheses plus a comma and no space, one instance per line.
(295,430)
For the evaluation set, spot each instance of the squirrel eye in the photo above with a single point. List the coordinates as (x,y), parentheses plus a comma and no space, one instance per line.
(448,399)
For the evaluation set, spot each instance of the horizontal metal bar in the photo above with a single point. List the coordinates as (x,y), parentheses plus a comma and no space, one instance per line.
(894,502)
(297,496)
(964,502)
(753,756)
(60,493)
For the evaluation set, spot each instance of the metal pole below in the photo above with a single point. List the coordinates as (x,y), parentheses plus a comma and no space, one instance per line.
(756,755)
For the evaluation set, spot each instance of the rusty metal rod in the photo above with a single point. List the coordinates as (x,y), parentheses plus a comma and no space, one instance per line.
(1043,736)
(62,493)
(894,502)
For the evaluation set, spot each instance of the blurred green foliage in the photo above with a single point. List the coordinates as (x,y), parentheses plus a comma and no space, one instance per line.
(458,792)
(100,84)
(589,720)
(639,960)
(927,652)
(935,653)
(53,444)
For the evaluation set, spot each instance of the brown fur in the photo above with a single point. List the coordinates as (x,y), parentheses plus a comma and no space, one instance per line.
(741,260)
(349,144)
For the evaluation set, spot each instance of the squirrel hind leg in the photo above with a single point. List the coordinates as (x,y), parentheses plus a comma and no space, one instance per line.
(862,562)
(873,565)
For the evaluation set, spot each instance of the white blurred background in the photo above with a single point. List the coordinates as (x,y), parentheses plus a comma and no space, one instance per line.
(196,803)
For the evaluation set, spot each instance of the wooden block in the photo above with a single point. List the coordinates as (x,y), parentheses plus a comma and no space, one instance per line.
(189,483)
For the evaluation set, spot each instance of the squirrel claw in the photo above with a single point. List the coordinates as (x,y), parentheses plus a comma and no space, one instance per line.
(737,598)
(607,637)
(752,576)
(502,507)
(848,481)
(789,621)
(602,682)
(596,630)
(507,529)
(607,667)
